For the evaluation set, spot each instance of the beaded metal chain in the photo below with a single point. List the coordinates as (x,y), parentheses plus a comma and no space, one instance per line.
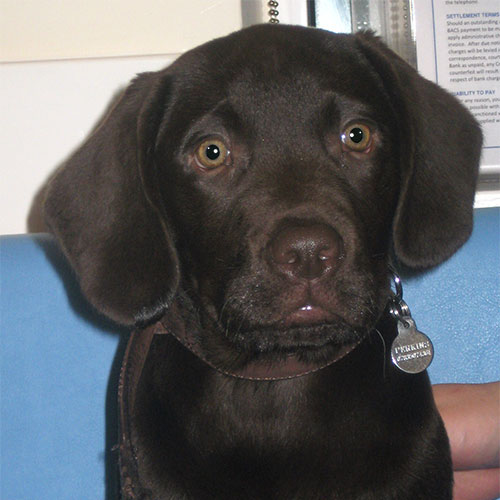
(273,12)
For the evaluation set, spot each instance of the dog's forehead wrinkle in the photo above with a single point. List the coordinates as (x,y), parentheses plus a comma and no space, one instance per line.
(219,119)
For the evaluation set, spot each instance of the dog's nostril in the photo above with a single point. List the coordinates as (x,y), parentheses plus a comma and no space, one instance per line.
(305,251)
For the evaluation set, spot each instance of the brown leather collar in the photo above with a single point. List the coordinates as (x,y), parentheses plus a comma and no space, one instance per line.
(287,368)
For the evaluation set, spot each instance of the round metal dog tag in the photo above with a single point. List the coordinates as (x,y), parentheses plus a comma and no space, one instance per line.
(411,351)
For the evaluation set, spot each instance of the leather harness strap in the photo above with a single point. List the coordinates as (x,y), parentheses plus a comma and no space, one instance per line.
(133,363)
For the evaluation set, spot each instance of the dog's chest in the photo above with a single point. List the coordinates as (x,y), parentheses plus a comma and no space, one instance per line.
(348,428)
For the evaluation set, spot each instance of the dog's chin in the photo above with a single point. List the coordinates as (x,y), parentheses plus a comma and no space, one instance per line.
(299,338)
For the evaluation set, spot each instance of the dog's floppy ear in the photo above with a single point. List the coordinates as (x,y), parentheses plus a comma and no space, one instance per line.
(108,220)
(440,145)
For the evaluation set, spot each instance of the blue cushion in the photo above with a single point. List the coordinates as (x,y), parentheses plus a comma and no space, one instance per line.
(60,360)
(56,360)
(457,306)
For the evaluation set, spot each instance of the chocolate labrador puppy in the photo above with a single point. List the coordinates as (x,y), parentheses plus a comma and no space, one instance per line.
(241,209)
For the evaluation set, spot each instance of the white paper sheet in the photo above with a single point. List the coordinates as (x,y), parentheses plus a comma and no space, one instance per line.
(458,47)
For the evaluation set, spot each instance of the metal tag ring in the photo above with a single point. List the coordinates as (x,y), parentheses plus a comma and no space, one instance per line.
(398,286)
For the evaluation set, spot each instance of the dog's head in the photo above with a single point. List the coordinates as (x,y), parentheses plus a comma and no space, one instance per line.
(268,175)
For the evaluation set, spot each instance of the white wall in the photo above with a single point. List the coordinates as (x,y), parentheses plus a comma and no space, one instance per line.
(47,109)
(57,78)
(68,29)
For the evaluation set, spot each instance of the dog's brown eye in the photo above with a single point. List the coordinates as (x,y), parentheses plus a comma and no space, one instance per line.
(211,153)
(357,137)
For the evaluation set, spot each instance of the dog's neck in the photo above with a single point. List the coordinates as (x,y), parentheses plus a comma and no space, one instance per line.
(287,367)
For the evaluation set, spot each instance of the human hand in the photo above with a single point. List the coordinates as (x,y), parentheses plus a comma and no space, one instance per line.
(471,414)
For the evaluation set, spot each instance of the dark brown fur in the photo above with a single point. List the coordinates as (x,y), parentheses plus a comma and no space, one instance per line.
(145,229)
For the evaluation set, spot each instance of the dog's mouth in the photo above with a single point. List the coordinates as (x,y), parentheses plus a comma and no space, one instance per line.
(308,314)
(270,336)
(307,325)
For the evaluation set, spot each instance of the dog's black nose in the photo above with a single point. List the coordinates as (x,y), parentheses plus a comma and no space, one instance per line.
(305,251)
